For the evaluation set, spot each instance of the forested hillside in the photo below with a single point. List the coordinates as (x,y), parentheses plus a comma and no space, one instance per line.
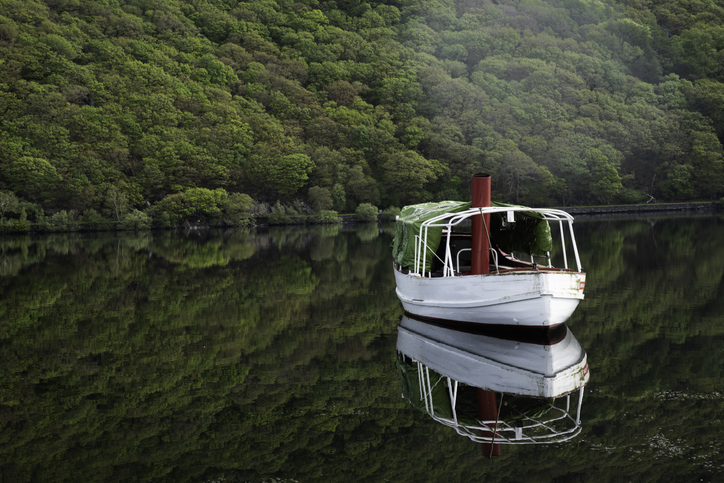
(219,108)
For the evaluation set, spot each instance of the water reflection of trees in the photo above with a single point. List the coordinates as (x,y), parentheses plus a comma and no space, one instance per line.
(176,345)
(651,283)
(652,324)
(249,355)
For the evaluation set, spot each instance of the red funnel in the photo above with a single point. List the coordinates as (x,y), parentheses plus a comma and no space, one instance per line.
(480,228)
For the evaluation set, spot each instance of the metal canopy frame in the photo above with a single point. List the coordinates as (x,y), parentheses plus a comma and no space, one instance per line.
(449,220)
(558,424)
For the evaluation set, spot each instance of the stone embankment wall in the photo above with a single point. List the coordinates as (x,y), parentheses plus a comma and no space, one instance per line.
(348,218)
(647,208)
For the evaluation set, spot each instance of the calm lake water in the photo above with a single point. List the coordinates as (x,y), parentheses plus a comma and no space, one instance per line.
(269,355)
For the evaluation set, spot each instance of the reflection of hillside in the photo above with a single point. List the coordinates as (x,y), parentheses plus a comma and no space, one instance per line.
(367,231)
(193,252)
(660,280)
(121,342)
(119,366)
(652,323)
(193,249)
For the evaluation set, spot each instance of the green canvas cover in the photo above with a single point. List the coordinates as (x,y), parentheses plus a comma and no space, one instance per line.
(530,234)
(408,225)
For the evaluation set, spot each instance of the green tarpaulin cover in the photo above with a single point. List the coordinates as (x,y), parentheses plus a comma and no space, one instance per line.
(530,234)
(408,225)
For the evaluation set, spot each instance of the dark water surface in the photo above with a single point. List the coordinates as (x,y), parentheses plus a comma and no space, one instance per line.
(266,356)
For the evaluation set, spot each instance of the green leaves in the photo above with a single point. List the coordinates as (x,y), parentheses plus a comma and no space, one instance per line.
(406,174)
(605,180)
(32,177)
(366,212)
(202,206)
(291,172)
(8,203)
(166,96)
(319,198)
(205,201)
(236,208)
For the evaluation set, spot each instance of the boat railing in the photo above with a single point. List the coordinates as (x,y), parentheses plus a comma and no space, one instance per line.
(450,220)
(423,244)
(557,425)
(493,252)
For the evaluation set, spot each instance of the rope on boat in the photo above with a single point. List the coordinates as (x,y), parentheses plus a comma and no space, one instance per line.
(490,243)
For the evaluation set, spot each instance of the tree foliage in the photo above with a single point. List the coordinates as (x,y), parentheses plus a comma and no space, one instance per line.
(615,102)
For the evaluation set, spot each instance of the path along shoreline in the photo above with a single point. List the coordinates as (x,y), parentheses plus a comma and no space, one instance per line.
(702,208)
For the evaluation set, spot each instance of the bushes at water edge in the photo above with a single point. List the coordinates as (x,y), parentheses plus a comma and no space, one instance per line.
(366,212)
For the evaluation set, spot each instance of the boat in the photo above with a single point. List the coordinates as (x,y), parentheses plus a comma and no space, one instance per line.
(518,390)
(480,262)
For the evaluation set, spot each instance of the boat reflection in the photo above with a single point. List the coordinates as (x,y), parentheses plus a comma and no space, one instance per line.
(516,387)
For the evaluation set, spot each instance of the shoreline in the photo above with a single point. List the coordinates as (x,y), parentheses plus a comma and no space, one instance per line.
(701,207)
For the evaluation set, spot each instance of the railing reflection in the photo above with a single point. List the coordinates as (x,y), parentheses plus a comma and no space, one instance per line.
(517,387)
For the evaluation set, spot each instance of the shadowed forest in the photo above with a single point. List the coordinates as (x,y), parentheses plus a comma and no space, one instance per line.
(164,112)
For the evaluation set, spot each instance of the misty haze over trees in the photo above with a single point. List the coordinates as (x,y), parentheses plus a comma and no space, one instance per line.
(160,111)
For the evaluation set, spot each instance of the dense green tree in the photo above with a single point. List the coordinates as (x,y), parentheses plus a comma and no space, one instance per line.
(205,201)
(163,96)
(320,198)
(406,175)
(291,173)
(605,181)
(516,169)
(236,208)
(366,212)
(31,177)
(339,198)
(8,203)
(117,202)
(359,187)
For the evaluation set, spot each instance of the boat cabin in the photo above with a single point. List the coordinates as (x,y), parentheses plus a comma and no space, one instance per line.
(436,240)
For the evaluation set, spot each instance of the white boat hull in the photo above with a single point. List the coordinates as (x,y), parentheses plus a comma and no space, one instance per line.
(524,369)
(529,298)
